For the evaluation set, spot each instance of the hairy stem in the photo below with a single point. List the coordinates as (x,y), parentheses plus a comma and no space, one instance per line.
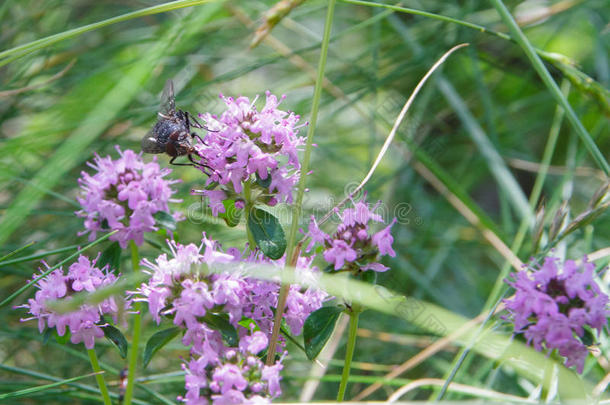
(99,377)
(291,251)
(137,326)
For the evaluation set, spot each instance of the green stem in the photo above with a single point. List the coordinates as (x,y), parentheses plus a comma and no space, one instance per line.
(296,210)
(99,377)
(248,208)
(137,325)
(349,354)
(546,77)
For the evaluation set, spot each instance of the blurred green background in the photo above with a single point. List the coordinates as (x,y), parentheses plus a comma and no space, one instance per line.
(61,104)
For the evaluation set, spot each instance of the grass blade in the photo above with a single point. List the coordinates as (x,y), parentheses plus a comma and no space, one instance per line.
(33,390)
(546,77)
(14,53)
(71,151)
(67,259)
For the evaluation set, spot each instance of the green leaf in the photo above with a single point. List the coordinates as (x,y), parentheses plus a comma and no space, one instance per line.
(48,332)
(248,323)
(117,338)
(588,337)
(318,328)
(111,256)
(157,341)
(220,322)
(267,232)
(231,215)
(165,220)
(369,277)
(263,183)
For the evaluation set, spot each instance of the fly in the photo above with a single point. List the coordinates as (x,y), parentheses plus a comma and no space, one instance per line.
(172,132)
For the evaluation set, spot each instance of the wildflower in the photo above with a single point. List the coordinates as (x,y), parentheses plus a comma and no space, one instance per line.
(238,376)
(555,305)
(182,288)
(352,247)
(245,145)
(84,324)
(124,194)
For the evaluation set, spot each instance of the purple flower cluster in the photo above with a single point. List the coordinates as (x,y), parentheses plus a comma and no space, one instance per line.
(245,145)
(237,376)
(123,195)
(86,323)
(183,289)
(554,305)
(353,247)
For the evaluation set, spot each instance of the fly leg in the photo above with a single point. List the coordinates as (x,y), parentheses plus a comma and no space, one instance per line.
(171,162)
(194,135)
(199,165)
(196,124)
(192,121)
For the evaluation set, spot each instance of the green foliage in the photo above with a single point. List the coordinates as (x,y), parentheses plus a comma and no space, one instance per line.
(117,338)
(220,322)
(232,215)
(318,328)
(164,220)
(111,256)
(157,341)
(267,232)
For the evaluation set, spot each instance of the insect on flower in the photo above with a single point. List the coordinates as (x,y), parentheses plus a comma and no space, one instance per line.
(172,132)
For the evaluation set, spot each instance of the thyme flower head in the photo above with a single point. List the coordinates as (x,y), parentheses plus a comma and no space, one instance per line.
(354,246)
(84,324)
(124,195)
(557,307)
(226,317)
(245,145)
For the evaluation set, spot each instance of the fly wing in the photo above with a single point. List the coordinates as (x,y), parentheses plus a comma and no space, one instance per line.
(168,103)
(151,145)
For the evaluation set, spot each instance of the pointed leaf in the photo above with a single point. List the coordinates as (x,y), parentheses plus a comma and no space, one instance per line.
(164,220)
(249,324)
(117,338)
(231,215)
(111,256)
(263,183)
(267,232)
(369,277)
(220,322)
(157,341)
(318,328)
(48,332)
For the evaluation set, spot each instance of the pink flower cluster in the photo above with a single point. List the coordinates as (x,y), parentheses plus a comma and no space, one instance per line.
(86,323)
(554,305)
(237,376)
(353,247)
(184,289)
(247,145)
(123,195)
